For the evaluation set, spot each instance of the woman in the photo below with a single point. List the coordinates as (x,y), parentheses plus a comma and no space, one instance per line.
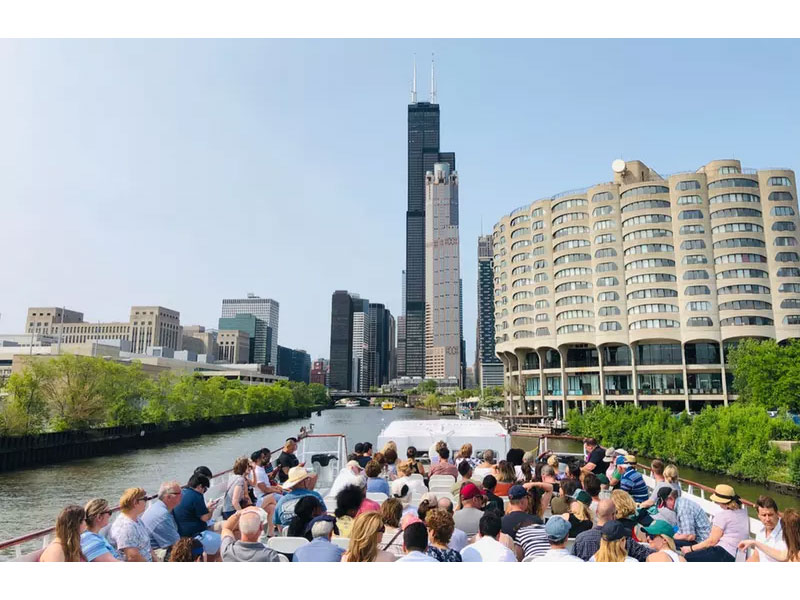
(376,483)
(536,504)
(93,545)
(428,502)
(66,546)
(728,527)
(364,537)
(581,517)
(416,467)
(465,454)
(405,470)
(506,477)
(791,537)
(348,503)
(391,513)
(391,463)
(305,510)
(187,550)
(552,460)
(440,526)
(526,471)
(668,477)
(236,496)
(612,544)
(128,534)
(660,538)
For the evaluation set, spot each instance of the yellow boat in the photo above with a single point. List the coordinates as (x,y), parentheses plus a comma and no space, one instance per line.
(387,405)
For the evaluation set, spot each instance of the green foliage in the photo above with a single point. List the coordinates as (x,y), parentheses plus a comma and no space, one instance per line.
(766,373)
(732,440)
(427,387)
(793,463)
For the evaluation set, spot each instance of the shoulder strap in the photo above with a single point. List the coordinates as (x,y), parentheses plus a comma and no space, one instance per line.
(396,535)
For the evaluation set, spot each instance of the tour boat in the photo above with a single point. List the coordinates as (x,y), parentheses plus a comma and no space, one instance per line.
(387,405)
(353,404)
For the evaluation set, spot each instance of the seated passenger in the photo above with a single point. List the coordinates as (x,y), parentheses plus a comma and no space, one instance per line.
(128,533)
(158,519)
(557,530)
(506,477)
(415,541)
(348,503)
(306,509)
(613,544)
(468,517)
(365,537)
(440,526)
(299,483)
(94,546)
(660,538)
(66,546)
(376,483)
(192,515)
(487,548)
(186,550)
(321,549)
(391,513)
(444,466)
(249,523)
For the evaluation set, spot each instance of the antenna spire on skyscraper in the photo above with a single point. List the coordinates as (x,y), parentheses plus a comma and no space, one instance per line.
(433,81)
(414,83)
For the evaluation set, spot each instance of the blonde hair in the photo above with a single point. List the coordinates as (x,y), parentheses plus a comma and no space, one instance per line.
(466,451)
(611,551)
(581,511)
(671,473)
(364,537)
(669,541)
(404,467)
(128,499)
(389,445)
(94,509)
(624,504)
(552,460)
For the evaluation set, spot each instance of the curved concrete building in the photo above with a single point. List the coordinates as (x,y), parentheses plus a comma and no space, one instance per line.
(633,290)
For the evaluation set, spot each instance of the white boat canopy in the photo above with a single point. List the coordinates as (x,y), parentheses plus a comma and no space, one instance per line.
(483,435)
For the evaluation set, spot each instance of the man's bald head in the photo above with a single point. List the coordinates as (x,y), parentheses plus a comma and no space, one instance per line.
(250,526)
(445,504)
(606,511)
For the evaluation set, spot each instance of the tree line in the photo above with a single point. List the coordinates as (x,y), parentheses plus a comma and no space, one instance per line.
(79,392)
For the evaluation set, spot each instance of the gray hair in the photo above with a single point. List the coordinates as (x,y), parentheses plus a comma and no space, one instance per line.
(321,529)
(529,457)
(488,455)
(249,523)
(548,470)
(167,487)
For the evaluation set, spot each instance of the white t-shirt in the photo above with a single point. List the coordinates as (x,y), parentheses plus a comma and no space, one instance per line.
(557,555)
(416,556)
(775,540)
(480,472)
(343,479)
(487,549)
(415,486)
(261,477)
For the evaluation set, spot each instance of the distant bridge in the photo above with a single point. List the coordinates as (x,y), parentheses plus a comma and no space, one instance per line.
(365,396)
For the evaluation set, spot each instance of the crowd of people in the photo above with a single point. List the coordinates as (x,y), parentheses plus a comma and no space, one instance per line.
(461,507)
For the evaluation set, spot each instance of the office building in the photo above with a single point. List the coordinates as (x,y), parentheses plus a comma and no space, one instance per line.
(488,368)
(401,332)
(320,372)
(341,340)
(200,341)
(234,346)
(633,291)
(294,364)
(380,345)
(260,333)
(359,370)
(265,309)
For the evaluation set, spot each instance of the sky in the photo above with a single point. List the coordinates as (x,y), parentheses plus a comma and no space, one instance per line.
(181,172)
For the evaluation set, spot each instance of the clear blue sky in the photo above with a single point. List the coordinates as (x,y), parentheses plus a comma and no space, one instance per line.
(181,172)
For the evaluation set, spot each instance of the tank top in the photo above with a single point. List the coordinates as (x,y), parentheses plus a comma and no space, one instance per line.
(672,554)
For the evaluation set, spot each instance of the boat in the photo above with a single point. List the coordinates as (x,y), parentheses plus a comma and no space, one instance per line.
(352,404)
(387,405)
(483,435)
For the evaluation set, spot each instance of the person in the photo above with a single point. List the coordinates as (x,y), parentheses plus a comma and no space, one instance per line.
(364,538)
(264,488)
(299,483)
(587,543)
(581,517)
(128,533)
(192,515)
(517,513)
(631,480)
(158,519)
(465,472)
(592,485)
(390,454)
(351,474)
(413,465)
(790,525)
(306,509)
(376,483)
(531,541)
(348,504)
(427,502)
(405,470)
(468,517)
(770,533)
(548,484)
(595,454)
(506,477)
(611,472)
(249,522)
(493,501)
(729,527)
(459,539)
(415,543)
(693,523)
(287,460)
(440,526)
(236,497)
(666,477)
(487,548)
(433,451)
(366,454)
(186,550)
(444,466)
(391,513)
(525,471)
(557,532)
(553,462)
(465,454)
(660,538)
(321,549)
(402,492)
(93,545)
(66,546)
(366,504)
(613,546)
(486,467)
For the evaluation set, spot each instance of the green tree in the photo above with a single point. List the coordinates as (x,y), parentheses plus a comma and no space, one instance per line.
(766,373)
(126,389)
(427,387)
(73,386)
(24,411)
(158,407)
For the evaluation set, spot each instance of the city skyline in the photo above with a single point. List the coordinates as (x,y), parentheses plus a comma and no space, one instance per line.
(174,135)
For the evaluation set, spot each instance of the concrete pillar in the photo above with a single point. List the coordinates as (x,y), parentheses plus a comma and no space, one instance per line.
(724,379)
(521,355)
(602,376)
(563,382)
(634,376)
(685,377)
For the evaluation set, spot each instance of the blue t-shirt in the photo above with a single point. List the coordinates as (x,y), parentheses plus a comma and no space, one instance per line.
(633,483)
(187,514)
(378,485)
(284,510)
(94,545)
(160,525)
(319,550)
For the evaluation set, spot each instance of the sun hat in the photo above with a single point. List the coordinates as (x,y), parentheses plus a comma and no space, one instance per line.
(517,492)
(621,451)
(660,527)
(614,530)
(582,496)
(630,459)
(470,491)
(559,505)
(723,494)
(609,455)
(296,475)
(557,528)
(353,464)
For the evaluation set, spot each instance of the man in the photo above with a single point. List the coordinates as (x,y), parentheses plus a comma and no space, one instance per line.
(487,548)
(366,454)
(249,523)
(594,457)
(415,542)
(486,467)
(631,480)
(468,518)
(588,542)
(192,515)
(517,514)
(266,493)
(771,532)
(465,474)
(321,549)
(612,467)
(591,483)
(493,501)
(444,467)
(158,519)
(350,475)
(459,538)
(531,541)
(693,524)
(287,460)
(299,483)
(557,530)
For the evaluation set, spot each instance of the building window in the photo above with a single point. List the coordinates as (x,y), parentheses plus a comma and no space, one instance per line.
(728,198)
(649,248)
(573,272)
(607,297)
(742,274)
(782,211)
(645,219)
(747,320)
(685,215)
(646,234)
(605,238)
(779,181)
(647,189)
(791,303)
(698,306)
(616,356)
(542,304)
(743,288)
(567,300)
(607,282)
(728,213)
(788,272)
(691,229)
(652,293)
(608,311)
(787,257)
(575,257)
(650,278)
(785,241)
(783,226)
(606,224)
(605,253)
(610,326)
(519,219)
(733,182)
(573,285)
(602,197)
(654,324)
(569,244)
(521,231)
(575,328)
(780,196)
(699,322)
(660,383)
(789,287)
(575,314)
(573,216)
(602,210)
(746,305)
(687,185)
(606,267)
(572,230)
(571,203)
(645,205)
(697,274)
(540,331)
(648,263)
(684,200)
(652,308)
(658,354)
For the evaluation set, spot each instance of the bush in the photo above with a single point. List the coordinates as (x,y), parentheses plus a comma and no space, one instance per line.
(793,462)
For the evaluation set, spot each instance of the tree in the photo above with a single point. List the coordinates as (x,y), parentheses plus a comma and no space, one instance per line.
(25,408)
(126,390)
(428,386)
(766,373)
(157,408)
(73,387)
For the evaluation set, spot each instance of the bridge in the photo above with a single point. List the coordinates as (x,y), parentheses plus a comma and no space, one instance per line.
(365,396)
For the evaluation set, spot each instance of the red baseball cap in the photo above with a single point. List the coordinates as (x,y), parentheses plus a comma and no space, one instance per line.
(471,490)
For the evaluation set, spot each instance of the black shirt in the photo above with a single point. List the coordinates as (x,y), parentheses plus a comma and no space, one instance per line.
(494,503)
(596,457)
(514,520)
(578,526)
(363,460)
(285,460)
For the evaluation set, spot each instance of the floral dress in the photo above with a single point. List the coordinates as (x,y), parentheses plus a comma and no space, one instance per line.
(448,555)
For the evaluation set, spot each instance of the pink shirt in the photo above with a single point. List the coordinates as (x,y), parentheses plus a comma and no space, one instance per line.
(443,468)
(367,505)
(735,527)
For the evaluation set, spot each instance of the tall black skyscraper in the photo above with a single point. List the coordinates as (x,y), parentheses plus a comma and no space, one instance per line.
(341,340)
(423,153)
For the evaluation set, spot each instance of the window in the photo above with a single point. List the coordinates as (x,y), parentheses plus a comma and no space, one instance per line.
(520,257)
(743,288)
(684,200)
(570,244)
(697,290)
(523,321)
(573,272)
(788,272)
(521,295)
(734,182)
(606,267)
(572,286)
(698,274)
(746,305)
(573,216)
(785,241)
(537,213)
(737,227)
(742,274)
(606,224)
(522,308)
(693,245)
(779,181)
(573,230)
(783,226)
(521,231)
(646,189)
(691,229)
(791,303)
(575,314)
(658,354)
(602,197)
(520,270)
(728,170)
(522,281)
(539,237)
(782,211)
(567,300)
(644,219)
(739,243)
(605,238)
(571,203)
(728,198)
(519,219)
(780,196)
(648,248)
(616,356)
(542,331)
(607,282)
(607,297)
(648,263)
(787,257)
(789,287)
(540,264)
(791,320)
(728,213)
(524,333)
(539,277)
(521,244)
(646,234)
(650,278)
(687,185)
(645,205)
(610,326)
(602,210)
(699,322)
(685,215)
(740,258)
(698,306)
(643,309)
(605,253)
(538,251)
(652,293)
(568,258)
(748,320)
(575,328)
(654,324)
(660,383)
(608,311)
(541,291)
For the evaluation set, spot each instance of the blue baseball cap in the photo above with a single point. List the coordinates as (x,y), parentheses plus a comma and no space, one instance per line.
(557,529)
(517,492)
(620,461)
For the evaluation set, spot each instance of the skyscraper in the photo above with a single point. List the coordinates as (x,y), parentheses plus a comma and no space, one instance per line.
(423,152)
(265,309)
(400,352)
(359,372)
(443,356)
(381,338)
(260,333)
(341,340)
(488,368)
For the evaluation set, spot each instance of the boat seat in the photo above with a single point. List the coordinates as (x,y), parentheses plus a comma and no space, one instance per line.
(378,497)
(342,542)
(283,558)
(330,503)
(416,476)
(448,478)
(286,545)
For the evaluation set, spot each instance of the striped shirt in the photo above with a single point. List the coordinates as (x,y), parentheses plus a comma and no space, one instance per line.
(533,540)
(692,519)
(633,483)
(94,546)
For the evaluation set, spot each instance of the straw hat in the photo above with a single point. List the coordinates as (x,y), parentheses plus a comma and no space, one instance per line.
(296,475)
(723,494)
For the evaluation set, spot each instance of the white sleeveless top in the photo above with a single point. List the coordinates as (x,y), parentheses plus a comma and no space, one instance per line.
(672,554)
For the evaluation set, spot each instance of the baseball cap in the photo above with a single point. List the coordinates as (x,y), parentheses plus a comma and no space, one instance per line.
(408,520)
(559,505)
(470,491)
(582,496)
(557,528)
(602,478)
(660,527)
(517,492)
(620,460)
(328,518)
(663,493)
(630,459)
(614,530)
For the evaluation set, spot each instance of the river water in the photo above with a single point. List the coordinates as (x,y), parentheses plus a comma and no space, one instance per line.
(31,499)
